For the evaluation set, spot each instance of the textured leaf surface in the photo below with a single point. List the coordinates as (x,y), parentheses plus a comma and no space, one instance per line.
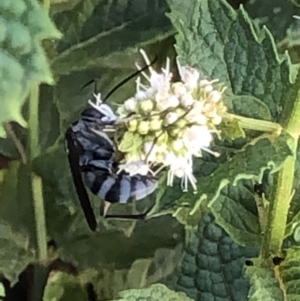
(216,188)
(23,25)
(277,15)
(222,44)
(142,273)
(97,30)
(212,265)
(156,292)
(264,285)
(13,244)
(62,286)
(16,222)
(290,274)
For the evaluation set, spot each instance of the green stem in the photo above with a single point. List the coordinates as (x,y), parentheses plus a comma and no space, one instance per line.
(254,124)
(282,193)
(47,4)
(36,182)
(34,121)
(39,212)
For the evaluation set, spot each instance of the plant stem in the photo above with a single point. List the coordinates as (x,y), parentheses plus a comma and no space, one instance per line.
(36,181)
(254,124)
(47,5)
(34,121)
(39,212)
(282,193)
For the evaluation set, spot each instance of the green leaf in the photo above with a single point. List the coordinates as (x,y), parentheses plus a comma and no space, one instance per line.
(259,109)
(235,210)
(290,274)
(277,15)
(16,221)
(23,25)
(62,286)
(142,273)
(155,292)
(97,31)
(225,184)
(2,290)
(222,44)
(296,2)
(13,244)
(264,284)
(212,265)
(49,118)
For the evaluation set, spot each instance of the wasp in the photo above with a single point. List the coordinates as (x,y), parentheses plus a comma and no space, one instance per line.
(93,162)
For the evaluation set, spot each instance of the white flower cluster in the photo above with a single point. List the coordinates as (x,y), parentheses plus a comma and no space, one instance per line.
(173,121)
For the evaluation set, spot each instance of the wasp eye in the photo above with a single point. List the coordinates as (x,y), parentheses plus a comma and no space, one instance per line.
(91,113)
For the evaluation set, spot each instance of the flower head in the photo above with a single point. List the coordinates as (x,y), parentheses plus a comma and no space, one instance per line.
(174,121)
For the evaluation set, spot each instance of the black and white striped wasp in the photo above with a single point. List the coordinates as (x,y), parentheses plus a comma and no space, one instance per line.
(92,160)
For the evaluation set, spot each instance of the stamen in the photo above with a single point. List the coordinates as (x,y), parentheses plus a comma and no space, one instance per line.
(193,181)
(216,154)
(167,70)
(143,53)
(144,87)
(143,73)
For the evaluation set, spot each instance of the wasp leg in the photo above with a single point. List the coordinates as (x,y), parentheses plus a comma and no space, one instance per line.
(105,209)
(141,216)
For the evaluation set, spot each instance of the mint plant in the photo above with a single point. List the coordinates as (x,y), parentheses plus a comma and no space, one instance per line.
(235,234)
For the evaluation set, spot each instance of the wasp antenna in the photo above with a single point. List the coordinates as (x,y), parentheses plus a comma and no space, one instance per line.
(125,80)
(90,82)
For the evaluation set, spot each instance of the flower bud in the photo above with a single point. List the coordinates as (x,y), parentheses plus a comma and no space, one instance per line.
(217,119)
(173,101)
(181,123)
(204,82)
(140,95)
(215,96)
(169,158)
(146,106)
(160,96)
(201,119)
(132,125)
(162,138)
(130,104)
(175,132)
(177,145)
(143,127)
(179,89)
(187,100)
(155,125)
(171,118)
(208,88)
(180,112)
(159,158)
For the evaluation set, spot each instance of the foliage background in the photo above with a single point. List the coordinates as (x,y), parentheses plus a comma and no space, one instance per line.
(202,255)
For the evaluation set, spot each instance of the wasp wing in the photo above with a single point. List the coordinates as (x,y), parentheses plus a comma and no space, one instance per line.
(84,199)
